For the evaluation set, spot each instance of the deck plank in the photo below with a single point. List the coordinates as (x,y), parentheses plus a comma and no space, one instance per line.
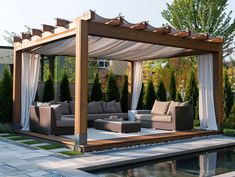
(96,145)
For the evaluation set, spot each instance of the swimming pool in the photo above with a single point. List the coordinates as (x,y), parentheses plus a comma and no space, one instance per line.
(201,164)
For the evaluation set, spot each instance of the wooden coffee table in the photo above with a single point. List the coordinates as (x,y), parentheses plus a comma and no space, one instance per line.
(120,126)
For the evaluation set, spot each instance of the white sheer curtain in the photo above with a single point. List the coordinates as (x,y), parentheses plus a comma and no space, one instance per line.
(137,84)
(29,84)
(206,96)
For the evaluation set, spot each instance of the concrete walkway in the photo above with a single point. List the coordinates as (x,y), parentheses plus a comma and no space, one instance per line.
(16,160)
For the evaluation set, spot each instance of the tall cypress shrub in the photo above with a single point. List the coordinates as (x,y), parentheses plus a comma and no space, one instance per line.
(6,97)
(149,95)
(124,95)
(64,89)
(192,93)
(161,91)
(141,99)
(228,96)
(96,91)
(172,89)
(178,97)
(112,88)
(48,93)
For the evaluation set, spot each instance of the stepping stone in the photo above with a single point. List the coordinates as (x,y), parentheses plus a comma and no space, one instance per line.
(39,144)
(60,150)
(2,134)
(22,141)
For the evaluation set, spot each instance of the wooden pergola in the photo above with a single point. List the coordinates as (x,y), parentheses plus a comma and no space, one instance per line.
(90,24)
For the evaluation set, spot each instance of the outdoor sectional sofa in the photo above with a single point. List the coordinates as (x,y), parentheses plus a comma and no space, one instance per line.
(167,116)
(58,118)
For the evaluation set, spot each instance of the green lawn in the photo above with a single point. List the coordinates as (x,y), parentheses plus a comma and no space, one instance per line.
(51,146)
(10,135)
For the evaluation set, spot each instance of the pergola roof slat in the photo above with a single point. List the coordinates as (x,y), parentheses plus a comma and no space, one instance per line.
(37,32)
(62,22)
(47,28)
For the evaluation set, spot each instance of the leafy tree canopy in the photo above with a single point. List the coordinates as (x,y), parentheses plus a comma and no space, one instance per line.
(202,16)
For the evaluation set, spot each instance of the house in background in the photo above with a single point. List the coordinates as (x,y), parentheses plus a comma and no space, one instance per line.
(6,58)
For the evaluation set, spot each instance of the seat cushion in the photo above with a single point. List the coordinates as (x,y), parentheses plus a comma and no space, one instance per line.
(172,106)
(160,107)
(65,123)
(67,117)
(92,108)
(162,118)
(153,118)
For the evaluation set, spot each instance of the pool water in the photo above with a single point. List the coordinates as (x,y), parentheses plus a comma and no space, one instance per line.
(195,165)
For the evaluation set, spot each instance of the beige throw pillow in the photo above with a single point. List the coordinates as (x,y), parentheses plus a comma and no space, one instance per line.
(172,106)
(186,103)
(160,107)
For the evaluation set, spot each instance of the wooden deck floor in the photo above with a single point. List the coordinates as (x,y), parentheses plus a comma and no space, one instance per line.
(124,142)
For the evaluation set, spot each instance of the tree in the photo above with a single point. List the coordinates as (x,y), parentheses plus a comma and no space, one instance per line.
(228,96)
(149,95)
(202,16)
(161,91)
(192,92)
(6,97)
(178,97)
(172,89)
(64,89)
(124,95)
(112,88)
(96,91)
(141,99)
(48,93)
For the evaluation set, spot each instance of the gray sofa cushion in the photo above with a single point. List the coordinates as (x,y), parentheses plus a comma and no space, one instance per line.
(58,110)
(92,108)
(160,107)
(72,107)
(118,107)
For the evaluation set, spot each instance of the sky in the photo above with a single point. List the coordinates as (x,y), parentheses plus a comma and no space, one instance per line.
(15,14)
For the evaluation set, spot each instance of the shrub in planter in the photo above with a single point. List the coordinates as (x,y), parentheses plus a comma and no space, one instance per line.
(6,97)
(141,99)
(124,95)
(48,93)
(178,97)
(149,95)
(64,89)
(172,89)
(161,91)
(96,91)
(112,88)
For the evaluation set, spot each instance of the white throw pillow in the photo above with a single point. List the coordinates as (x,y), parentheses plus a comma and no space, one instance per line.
(172,106)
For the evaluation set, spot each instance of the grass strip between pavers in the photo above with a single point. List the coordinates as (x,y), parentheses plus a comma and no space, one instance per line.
(32,142)
(51,146)
(19,138)
(71,153)
(10,135)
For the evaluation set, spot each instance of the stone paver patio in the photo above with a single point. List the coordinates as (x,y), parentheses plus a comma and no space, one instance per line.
(19,160)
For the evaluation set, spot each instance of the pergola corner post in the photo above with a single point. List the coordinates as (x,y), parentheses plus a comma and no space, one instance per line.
(81,84)
(218,87)
(17,70)
(130,82)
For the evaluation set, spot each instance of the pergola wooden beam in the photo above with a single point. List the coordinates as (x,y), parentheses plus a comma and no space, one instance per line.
(47,28)
(62,22)
(37,32)
(26,36)
(139,26)
(17,39)
(118,32)
(163,30)
(115,22)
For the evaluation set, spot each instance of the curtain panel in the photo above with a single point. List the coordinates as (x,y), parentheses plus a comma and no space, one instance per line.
(29,84)
(206,93)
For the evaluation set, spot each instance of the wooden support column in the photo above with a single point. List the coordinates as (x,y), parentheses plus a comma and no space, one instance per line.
(218,87)
(130,82)
(52,65)
(81,84)
(16,119)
